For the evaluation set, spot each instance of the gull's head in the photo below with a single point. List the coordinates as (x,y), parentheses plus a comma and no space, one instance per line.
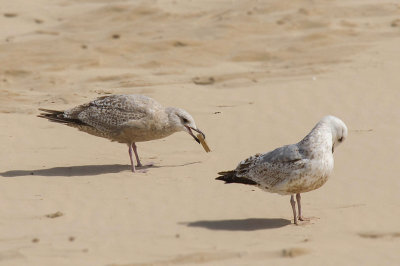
(338,129)
(180,120)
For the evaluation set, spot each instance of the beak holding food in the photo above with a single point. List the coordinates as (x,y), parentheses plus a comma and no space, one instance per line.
(200,138)
(189,130)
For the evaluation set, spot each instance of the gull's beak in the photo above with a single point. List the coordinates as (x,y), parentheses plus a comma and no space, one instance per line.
(197,130)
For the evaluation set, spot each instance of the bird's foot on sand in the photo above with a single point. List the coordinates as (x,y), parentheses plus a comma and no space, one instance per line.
(301,218)
(305,221)
(301,222)
(139,170)
(147,165)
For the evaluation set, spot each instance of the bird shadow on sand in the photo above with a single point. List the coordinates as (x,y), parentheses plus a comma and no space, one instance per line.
(82,170)
(177,165)
(79,170)
(251,224)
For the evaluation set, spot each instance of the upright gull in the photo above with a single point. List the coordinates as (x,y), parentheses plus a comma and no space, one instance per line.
(295,168)
(126,119)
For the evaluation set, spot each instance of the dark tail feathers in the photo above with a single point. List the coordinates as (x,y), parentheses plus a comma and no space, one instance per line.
(58,117)
(230,177)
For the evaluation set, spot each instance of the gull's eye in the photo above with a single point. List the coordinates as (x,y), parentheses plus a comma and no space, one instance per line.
(341,139)
(184,120)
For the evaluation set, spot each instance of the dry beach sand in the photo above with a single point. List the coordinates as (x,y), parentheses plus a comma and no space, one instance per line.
(255,75)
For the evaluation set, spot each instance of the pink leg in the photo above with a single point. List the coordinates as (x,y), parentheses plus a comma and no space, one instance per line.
(139,164)
(298,198)
(293,203)
(130,156)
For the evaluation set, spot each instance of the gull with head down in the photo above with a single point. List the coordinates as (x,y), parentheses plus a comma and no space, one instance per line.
(295,168)
(126,119)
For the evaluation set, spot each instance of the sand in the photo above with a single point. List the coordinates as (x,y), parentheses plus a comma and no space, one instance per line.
(255,75)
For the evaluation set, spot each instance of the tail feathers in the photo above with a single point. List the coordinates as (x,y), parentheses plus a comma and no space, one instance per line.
(58,117)
(230,177)
(49,111)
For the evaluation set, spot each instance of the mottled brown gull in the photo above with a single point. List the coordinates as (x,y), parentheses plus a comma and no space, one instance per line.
(126,119)
(295,168)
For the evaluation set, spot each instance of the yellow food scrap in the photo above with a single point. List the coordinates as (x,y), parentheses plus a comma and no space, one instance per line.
(203,142)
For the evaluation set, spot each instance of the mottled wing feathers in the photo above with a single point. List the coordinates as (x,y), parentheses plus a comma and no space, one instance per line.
(246,165)
(59,117)
(105,116)
(108,113)
(274,167)
(284,154)
(269,169)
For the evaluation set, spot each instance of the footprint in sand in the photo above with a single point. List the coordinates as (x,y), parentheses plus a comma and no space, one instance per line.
(54,215)
(372,235)
(203,80)
(395,23)
(294,252)
(10,15)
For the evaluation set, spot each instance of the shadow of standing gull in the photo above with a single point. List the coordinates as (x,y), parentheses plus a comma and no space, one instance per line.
(251,224)
(80,170)
(83,170)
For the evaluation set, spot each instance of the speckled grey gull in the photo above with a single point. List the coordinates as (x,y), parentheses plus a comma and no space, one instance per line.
(126,119)
(296,168)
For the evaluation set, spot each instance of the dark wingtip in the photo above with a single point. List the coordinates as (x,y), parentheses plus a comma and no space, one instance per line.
(49,111)
(48,114)
(57,117)
(225,176)
(220,178)
(225,172)
(230,177)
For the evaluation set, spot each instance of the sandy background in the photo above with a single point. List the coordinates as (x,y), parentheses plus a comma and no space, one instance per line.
(276,68)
